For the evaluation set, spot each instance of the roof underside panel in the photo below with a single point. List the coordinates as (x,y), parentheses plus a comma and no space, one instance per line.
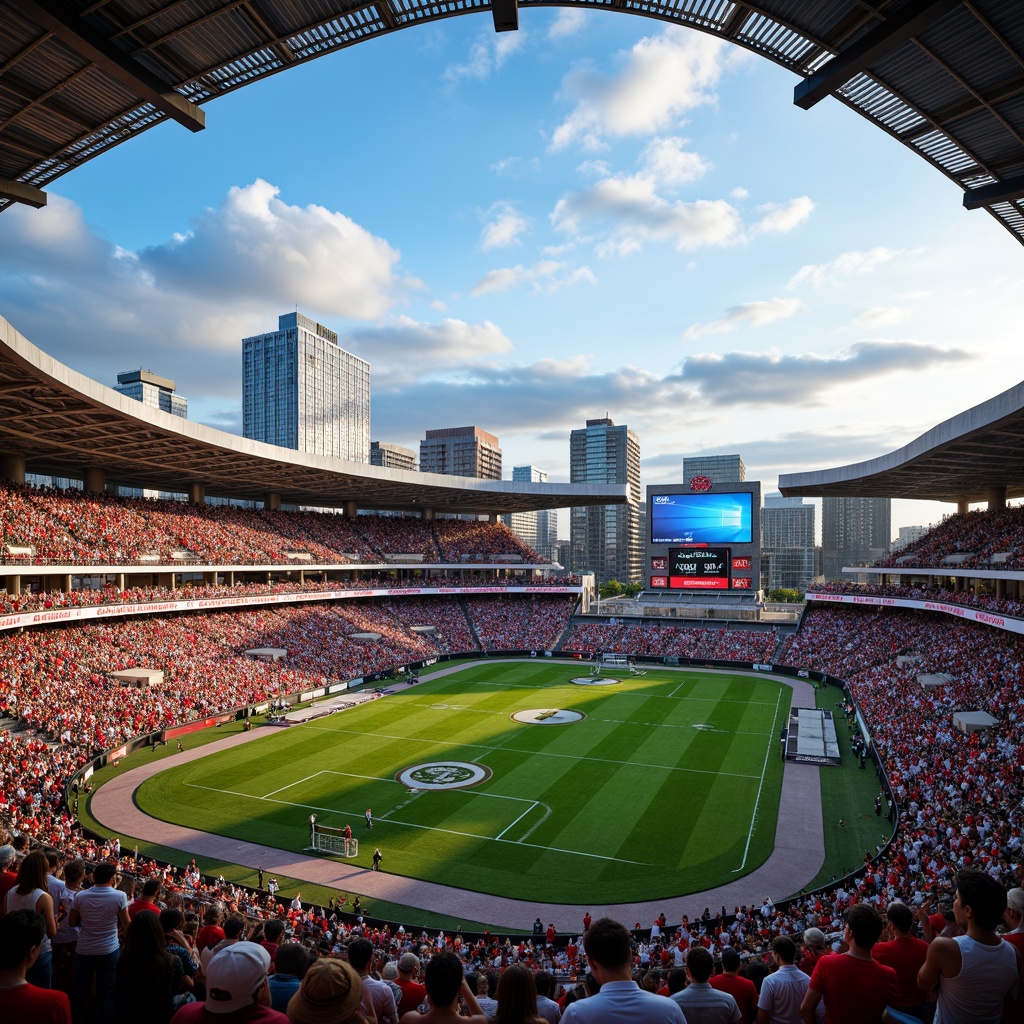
(953,93)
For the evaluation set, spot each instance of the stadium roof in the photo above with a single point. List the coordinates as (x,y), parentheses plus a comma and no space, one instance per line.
(943,77)
(964,458)
(63,423)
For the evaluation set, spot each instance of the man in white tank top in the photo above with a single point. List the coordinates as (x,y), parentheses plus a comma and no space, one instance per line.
(975,972)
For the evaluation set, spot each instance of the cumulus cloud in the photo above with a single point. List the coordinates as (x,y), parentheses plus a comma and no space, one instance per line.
(567,23)
(545,276)
(668,164)
(756,314)
(402,350)
(486,56)
(91,303)
(505,225)
(848,264)
(771,378)
(739,192)
(781,218)
(880,316)
(660,79)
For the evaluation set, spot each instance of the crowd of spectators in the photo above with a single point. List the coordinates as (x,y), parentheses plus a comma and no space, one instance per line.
(45,524)
(966,598)
(659,640)
(501,626)
(978,540)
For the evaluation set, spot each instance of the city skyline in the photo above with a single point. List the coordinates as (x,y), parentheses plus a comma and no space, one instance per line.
(649,230)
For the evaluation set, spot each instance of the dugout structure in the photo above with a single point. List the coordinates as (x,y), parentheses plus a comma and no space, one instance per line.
(811,737)
(324,839)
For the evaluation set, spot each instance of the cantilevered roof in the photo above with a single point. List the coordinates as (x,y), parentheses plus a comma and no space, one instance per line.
(63,423)
(943,77)
(961,459)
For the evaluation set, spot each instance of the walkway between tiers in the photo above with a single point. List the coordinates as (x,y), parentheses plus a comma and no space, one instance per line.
(798,855)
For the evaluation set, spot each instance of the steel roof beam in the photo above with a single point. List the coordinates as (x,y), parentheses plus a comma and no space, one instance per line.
(506,15)
(19,192)
(913,18)
(1003,191)
(94,47)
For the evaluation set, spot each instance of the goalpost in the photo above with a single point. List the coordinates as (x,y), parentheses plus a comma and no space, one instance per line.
(325,839)
(616,660)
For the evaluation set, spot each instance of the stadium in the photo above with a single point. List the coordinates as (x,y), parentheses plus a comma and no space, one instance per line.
(414,722)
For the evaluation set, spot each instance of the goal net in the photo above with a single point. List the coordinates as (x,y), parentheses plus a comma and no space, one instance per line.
(614,659)
(333,840)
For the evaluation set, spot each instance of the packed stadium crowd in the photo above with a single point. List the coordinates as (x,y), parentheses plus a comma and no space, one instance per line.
(966,598)
(75,527)
(656,640)
(981,539)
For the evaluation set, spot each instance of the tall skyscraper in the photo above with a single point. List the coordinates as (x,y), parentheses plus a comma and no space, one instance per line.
(606,538)
(787,543)
(719,469)
(461,451)
(149,389)
(301,390)
(854,531)
(538,529)
(392,456)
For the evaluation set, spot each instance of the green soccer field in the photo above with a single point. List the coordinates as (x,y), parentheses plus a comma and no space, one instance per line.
(669,784)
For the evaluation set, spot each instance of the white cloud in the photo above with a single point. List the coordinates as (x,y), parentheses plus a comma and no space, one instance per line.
(546,276)
(567,23)
(756,314)
(661,78)
(781,218)
(844,266)
(486,57)
(739,192)
(880,316)
(504,227)
(92,304)
(666,163)
(629,208)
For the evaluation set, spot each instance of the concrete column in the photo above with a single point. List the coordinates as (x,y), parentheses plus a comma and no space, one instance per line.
(94,479)
(120,581)
(272,501)
(492,518)
(66,580)
(302,577)
(12,467)
(429,515)
(231,578)
(350,509)
(13,585)
(210,578)
(962,507)
(996,498)
(1000,588)
(197,493)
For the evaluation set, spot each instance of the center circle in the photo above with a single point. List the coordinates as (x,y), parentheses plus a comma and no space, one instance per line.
(443,775)
(594,681)
(547,716)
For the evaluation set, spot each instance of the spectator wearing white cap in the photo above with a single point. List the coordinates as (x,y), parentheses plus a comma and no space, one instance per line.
(1013,918)
(237,991)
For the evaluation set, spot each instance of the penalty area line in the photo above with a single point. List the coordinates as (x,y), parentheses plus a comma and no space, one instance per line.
(425,828)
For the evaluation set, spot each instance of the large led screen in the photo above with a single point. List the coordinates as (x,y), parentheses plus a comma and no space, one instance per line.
(701,518)
(698,568)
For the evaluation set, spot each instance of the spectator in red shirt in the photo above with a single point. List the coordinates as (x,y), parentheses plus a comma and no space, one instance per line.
(855,987)
(148,899)
(21,937)
(743,990)
(413,993)
(905,954)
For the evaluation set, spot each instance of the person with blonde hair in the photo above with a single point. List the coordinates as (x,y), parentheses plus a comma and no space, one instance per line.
(517,997)
(330,993)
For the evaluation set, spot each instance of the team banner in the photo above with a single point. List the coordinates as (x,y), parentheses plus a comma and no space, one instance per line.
(960,611)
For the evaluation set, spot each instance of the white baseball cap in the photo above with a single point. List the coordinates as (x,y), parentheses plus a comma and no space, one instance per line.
(234,975)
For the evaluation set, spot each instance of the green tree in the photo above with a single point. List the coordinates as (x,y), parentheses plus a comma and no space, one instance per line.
(613,588)
(786,595)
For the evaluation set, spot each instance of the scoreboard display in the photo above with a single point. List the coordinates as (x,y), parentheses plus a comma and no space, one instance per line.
(699,568)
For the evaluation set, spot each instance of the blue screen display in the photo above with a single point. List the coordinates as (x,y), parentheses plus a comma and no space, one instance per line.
(701,518)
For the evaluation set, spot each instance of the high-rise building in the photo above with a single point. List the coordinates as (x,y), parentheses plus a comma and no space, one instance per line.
(909,535)
(538,529)
(854,531)
(719,469)
(461,451)
(787,543)
(392,456)
(301,390)
(606,538)
(149,389)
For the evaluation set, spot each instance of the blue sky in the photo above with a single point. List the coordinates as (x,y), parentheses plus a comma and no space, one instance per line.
(595,215)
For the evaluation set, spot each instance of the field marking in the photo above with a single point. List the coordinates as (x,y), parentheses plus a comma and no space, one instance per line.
(425,828)
(520,818)
(675,691)
(274,792)
(753,818)
(537,753)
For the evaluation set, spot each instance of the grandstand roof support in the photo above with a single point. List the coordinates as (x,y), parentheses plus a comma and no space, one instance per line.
(19,192)
(94,479)
(907,22)
(272,501)
(506,15)
(1003,191)
(996,498)
(92,46)
(12,467)
(197,493)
